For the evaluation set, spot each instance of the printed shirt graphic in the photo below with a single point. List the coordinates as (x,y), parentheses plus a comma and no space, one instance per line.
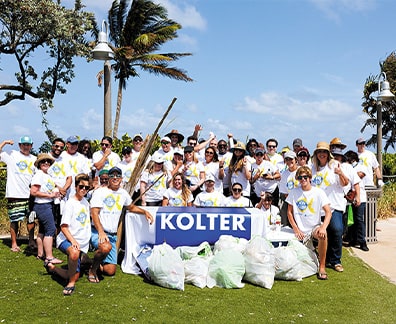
(240,177)
(213,169)
(47,185)
(192,171)
(307,207)
(369,161)
(158,187)
(262,184)
(212,199)
(20,170)
(76,215)
(241,202)
(110,203)
(175,197)
(59,171)
(288,182)
(112,160)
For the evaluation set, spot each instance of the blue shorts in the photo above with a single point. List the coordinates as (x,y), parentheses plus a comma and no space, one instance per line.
(63,247)
(112,256)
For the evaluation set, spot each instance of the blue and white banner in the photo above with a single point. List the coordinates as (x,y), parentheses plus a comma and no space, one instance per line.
(191,226)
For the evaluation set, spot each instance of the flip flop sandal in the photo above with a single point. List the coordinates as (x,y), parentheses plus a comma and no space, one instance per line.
(54,260)
(93,279)
(16,249)
(322,276)
(67,291)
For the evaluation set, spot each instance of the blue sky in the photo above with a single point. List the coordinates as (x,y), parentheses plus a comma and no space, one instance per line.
(261,68)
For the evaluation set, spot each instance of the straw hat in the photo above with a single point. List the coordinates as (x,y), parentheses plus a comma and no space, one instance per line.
(239,146)
(43,156)
(175,132)
(337,141)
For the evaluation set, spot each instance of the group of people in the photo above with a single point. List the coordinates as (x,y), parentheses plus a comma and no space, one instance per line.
(78,195)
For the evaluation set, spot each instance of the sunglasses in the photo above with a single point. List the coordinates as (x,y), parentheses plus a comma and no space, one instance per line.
(165,143)
(305,177)
(222,145)
(237,189)
(46,161)
(271,146)
(192,143)
(115,176)
(81,187)
(104,179)
(259,154)
(104,144)
(59,147)
(26,144)
(209,152)
(137,140)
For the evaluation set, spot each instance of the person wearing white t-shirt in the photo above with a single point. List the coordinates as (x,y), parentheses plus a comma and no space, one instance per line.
(209,197)
(20,170)
(369,160)
(179,194)
(75,234)
(305,206)
(237,200)
(106,208)
(271,212)
(105,158)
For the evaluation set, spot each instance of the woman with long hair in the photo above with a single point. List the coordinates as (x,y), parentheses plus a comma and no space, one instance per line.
(240,168)
(214,167)
(153,181)
(194,171)
(327,174)
(178,194)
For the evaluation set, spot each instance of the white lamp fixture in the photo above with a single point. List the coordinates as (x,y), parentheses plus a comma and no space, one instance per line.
(384,93)
(102,51)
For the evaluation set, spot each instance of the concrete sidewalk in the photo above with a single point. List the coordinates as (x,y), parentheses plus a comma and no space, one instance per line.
(382,255)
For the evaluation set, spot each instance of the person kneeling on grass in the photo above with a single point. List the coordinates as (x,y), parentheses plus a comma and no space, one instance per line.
(75,234)
(305,206)
(106,208)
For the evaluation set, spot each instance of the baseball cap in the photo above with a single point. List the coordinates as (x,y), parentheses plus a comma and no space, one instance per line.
(165,139)
(290,154)
(25,140)
(138,136)
(188,149)
(126,150)
(259,150)
(72,139)
(209,177)
(178,151)
(360,140)
(115,170)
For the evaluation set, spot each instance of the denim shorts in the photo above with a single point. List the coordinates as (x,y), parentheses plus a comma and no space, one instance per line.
(63,247)
(112,256)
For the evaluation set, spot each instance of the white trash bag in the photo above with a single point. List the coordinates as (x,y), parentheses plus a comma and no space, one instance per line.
(226,269)
(229,242)
(188,252)
(196,271)
(287,266)
(260,262)
(165,267)
(308,259)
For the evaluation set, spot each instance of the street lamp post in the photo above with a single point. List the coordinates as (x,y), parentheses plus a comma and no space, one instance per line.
(103,52)
(384,95)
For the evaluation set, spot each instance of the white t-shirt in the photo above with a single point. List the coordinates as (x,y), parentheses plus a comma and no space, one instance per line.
(110,203)
(277,161)
(60,170)
(209,199)
(270,214)
(307,207)
(47,185)
(192,172)
(226,157)
(174,197)
(111,161)
(20,170)
(261,184)
(368,160)
(213,169)
(241,202)
(288,181)
(156,192)
(76,216)
(329,182)
(240,177)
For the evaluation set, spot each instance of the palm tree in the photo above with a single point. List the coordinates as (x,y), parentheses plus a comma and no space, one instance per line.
(137,35)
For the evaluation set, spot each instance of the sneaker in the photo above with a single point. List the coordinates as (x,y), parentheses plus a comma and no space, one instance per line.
(364,247)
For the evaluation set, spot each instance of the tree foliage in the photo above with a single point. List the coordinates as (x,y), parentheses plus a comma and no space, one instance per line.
(137,34)
(370,104)
(43,38)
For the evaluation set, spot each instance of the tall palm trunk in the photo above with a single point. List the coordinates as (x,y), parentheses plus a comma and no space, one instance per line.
(118,109)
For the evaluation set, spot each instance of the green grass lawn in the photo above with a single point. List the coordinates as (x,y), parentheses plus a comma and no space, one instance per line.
(29,294)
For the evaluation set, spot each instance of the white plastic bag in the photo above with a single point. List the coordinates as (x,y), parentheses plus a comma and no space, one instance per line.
(188,252)
(196,271)
(226,269)
(309,263)
(229,242)
(165,267)
(259,262)
(287,266)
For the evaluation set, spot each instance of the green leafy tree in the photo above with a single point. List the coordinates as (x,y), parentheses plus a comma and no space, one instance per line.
(370,104)
(37,31)
(137,35)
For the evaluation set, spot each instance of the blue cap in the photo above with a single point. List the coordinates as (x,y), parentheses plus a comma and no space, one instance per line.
(72,139)
(115,170)
(25,140)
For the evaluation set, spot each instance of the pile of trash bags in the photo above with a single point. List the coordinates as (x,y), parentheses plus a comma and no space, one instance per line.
(227,263)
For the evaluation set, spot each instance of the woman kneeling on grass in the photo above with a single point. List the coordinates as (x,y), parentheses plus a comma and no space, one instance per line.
(75,234)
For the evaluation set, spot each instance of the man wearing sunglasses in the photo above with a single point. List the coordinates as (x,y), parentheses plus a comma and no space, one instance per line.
(106,207)
(305,204)
(237,200)
(20,169)
(105,158)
